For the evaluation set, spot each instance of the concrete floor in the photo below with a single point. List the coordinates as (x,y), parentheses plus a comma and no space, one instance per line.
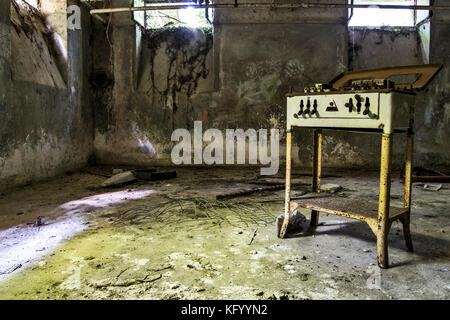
(148,241)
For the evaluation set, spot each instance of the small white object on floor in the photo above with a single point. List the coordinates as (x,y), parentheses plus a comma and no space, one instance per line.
(430,186)
(330,187)
(118,179)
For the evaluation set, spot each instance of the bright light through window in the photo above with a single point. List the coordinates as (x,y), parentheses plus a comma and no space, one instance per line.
(374,17)
(191,18)
(33,3)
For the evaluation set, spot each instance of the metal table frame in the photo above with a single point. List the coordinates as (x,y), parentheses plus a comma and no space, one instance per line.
(382,222)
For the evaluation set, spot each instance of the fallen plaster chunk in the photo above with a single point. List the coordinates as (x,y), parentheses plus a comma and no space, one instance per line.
(119,179)
(330,187)
(295,222)
(430,186)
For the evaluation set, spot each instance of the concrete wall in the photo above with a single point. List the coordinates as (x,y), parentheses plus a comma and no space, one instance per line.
(140,101)
(433,106)
(145,85)
(239,82)
(383,48)
(371,48)
(44,130)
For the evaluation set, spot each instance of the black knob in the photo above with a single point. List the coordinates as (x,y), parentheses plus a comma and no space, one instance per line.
(358,102)
(367,105)
(349,105)
(308,107)
(300,112)
(314,110)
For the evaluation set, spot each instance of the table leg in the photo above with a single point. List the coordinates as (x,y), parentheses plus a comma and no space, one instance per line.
(287,198)
(317,168)
(383,200)
(407,195)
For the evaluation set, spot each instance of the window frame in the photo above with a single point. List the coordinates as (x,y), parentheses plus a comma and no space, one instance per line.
(141,17)
(380,2)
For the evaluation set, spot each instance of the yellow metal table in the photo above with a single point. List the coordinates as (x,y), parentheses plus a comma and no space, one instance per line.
(371,103)
(379,216)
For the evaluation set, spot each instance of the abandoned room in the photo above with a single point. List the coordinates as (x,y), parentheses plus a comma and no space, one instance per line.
(224,149)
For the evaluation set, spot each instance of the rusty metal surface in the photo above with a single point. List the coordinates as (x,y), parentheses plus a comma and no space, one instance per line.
(355,209)
(384,199)
(379,216)
(287,198)
(426,71)
(341,91)
(408,170)
(317,170)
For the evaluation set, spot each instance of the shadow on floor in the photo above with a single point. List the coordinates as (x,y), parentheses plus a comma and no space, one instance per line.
(426,246)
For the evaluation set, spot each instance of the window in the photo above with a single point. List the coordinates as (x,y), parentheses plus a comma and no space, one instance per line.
(33,3)
(375,17)
(156,19)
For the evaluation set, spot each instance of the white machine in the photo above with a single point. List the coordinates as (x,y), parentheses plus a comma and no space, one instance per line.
(384,109)
(365,99)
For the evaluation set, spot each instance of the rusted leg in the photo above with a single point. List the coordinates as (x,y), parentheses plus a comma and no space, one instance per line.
(407,196)
(287,197)
(408,169)
(407,233)
(383,201)
(317,168)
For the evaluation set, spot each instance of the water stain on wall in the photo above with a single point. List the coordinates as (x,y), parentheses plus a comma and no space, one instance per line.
(171,65)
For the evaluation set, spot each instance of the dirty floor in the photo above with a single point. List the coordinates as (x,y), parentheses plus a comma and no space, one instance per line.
(173,240)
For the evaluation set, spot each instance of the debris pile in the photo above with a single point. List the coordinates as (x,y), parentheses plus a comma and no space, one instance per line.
(127,177)
(296,220)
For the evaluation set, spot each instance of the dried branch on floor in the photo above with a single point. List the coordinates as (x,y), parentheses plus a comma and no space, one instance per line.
(160,269)
(254,235)
(114,282)
(121,272)
(242,193)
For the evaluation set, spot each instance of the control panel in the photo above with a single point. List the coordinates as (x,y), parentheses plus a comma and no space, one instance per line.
(386,110)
